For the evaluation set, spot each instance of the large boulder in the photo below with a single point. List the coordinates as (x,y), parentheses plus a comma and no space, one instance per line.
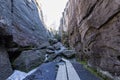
(5,66)
(29,60)
(46,71)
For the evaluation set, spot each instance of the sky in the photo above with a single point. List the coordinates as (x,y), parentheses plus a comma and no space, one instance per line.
(52,11)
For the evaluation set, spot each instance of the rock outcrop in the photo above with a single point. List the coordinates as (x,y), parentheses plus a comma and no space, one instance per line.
(23,22)
(93,30)
(27,29)
(21,28)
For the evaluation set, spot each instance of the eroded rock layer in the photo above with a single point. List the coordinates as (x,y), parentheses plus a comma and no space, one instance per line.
(93,29)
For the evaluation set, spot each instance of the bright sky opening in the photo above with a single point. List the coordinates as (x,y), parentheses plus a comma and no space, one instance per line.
(52,12)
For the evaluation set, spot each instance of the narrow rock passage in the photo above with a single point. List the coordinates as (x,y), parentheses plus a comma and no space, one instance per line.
(59,64)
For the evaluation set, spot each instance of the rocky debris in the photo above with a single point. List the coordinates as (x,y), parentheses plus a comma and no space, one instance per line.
(53,41)
(46,71)
(50,47)
(57,50)
(29,59)
(93,30)
(5,66)
(58,46)
(51,57)
(60,51)
(69,53)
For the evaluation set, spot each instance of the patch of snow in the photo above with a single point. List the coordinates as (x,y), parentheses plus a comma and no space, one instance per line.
(19,75)
(46,57)
(30,72)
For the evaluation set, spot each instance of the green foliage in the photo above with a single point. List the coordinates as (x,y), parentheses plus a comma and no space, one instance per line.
(57,36)
(65,39)
(83,63)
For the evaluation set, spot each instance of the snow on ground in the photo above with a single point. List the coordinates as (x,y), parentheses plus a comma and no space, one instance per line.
(19,75)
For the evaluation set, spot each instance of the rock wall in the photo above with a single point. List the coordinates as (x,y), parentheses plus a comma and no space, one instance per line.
(93,28)
(21,26)
(5,66)
(27,26)
(22,21)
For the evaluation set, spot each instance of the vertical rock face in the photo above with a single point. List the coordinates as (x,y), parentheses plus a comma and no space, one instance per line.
(22,20)
(5,31)
(5,66)
(21,26)
(93,29)
(5,17)
(28,29)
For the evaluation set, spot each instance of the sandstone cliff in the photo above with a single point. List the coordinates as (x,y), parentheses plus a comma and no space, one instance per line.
(21,26)
(93,29)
